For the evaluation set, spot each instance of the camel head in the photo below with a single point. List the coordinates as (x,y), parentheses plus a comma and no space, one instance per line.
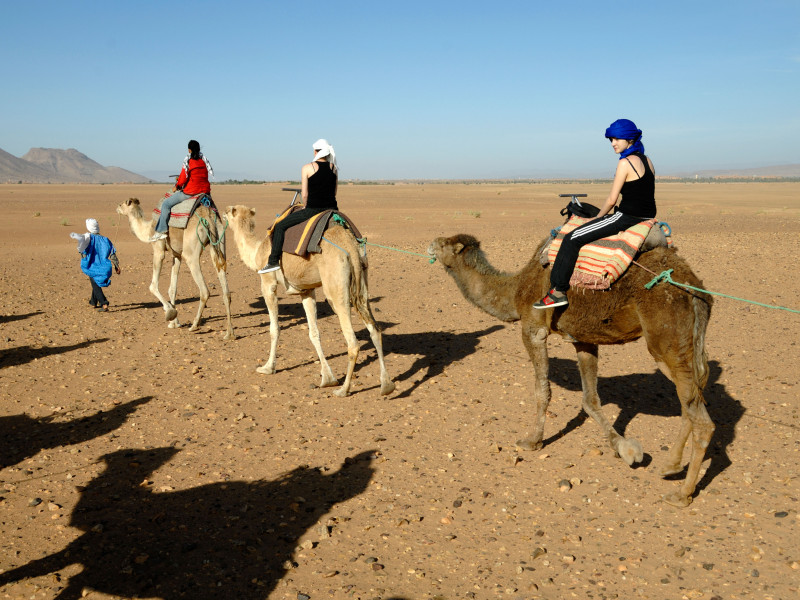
(459,249)
(240,218)
(130,208)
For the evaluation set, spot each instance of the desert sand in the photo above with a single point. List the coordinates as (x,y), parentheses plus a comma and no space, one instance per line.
(140,461)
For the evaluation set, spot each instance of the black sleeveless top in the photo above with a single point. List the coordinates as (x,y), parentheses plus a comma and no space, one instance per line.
(322,188)
(639,196)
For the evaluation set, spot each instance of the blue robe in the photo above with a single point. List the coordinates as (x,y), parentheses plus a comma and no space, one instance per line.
(95,262)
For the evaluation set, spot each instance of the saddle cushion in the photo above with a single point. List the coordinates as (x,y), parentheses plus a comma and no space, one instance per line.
(181,213)
(305,237)
(602,262)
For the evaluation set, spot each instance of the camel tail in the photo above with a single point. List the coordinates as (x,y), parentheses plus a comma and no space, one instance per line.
(702,311)
(359,287)
(217,245)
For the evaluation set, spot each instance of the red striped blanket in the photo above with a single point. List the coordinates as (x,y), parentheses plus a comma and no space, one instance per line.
(180,213)
(602,262)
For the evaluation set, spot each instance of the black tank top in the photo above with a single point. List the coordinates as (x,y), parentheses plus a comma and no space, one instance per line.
(322,188)
(639,196)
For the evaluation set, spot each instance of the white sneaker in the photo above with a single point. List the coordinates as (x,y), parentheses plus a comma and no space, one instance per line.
(158,236)
(270,268)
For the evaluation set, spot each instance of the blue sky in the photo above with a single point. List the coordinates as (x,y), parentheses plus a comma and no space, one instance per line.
(403,89)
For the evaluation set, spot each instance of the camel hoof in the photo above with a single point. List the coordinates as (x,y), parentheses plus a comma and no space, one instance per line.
(671,470)
(342,392)
(229,336)
(528,444)
(265,370)
(677,499)
(174,324)
(171,314)
(329,382)
(630,451)
(387,388)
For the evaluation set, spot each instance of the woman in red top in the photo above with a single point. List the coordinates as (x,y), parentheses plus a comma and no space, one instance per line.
(192,181)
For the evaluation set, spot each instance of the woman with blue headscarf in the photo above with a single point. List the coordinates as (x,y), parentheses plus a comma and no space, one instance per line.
(634,182)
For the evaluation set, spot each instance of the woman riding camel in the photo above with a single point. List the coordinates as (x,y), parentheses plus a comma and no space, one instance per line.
(319,182)
(635,182)
(192,181)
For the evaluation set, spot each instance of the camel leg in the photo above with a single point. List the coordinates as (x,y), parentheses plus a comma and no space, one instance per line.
(341,306)
(158,258)
(534,337)
(226,299)
(192,257)
(269,287)
(675,456)
(309,300)
(172,313)
(629,449)
(364,311)
(694,420)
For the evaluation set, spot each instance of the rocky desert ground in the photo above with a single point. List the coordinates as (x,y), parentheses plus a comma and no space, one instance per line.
(146,462)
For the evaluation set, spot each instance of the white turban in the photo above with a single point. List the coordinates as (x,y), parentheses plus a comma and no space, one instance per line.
(92,226)
(325,149)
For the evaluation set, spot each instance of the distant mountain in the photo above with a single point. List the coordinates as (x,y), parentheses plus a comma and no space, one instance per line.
(52,165)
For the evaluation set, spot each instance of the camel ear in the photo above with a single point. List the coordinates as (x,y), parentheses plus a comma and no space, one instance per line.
(231,210)
(252,212)
(458,248)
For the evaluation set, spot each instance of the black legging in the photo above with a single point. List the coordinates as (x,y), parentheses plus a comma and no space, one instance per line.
(98,297)
(585,234)
(279,231)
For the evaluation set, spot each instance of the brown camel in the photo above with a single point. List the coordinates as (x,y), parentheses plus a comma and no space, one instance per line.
(672,320)
(186,244)
(339,269)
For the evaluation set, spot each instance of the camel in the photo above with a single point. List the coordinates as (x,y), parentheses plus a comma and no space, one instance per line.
(339,269)
(672,320)
(186,244)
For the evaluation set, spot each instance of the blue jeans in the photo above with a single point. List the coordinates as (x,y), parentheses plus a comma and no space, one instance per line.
(166,206)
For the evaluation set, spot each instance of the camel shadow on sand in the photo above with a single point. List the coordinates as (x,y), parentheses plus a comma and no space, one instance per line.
(13,357)
(222,540)
(436,350)
(24,436)
(654,394)
(10,318)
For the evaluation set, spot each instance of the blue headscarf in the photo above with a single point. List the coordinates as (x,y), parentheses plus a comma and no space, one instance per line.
(623,129)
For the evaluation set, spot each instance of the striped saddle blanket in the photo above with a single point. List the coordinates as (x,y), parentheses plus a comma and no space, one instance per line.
(602,262)
(305,237)
(181,212)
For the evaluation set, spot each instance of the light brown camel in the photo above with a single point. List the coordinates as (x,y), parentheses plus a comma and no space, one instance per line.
(339,269)
(672,320)
(186,244)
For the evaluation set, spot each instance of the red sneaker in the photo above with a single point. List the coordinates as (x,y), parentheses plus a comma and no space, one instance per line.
(553,299)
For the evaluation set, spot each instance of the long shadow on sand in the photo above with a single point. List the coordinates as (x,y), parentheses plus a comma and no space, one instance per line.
(13,357)
(24,436)
(438,349)
(10,318)
(222,540)
(654,394)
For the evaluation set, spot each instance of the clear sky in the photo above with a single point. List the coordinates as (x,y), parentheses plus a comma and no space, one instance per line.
(403,89)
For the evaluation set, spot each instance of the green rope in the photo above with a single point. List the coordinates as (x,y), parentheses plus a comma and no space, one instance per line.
(363,241)
(204,223)
(665,276)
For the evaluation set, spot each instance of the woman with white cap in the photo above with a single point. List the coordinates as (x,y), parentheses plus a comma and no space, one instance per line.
(634,188)
(318,184)
(97,256)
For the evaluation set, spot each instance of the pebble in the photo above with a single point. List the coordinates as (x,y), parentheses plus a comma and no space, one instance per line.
(301,596)
(538,552)
(564,485)
(781,514)
(35,502)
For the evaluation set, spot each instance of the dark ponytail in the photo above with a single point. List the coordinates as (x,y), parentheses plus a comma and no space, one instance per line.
(194,149)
